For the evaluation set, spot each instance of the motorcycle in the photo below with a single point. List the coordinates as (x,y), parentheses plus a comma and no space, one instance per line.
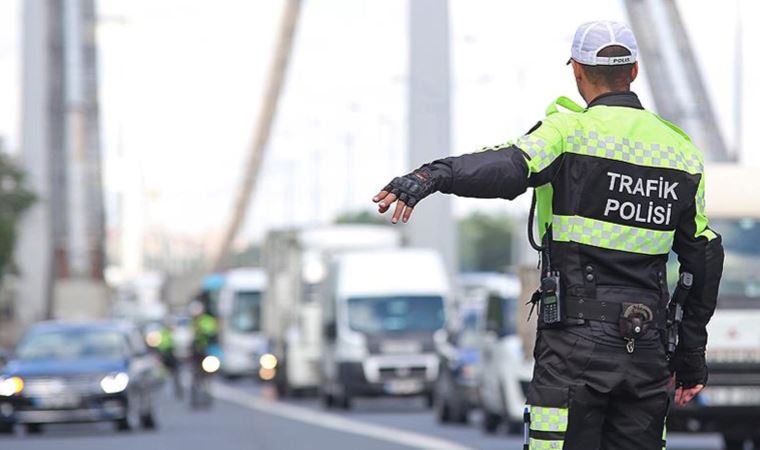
(204,368)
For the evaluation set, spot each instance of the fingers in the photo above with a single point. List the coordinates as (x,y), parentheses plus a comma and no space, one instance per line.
(403,212)
(684,396)
(380,195)
(679,397)
(407,213)
(400,205)
(691,393)
(386,203)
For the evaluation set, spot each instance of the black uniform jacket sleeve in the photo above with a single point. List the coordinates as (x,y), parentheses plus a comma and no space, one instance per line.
(498,172)
(700,252)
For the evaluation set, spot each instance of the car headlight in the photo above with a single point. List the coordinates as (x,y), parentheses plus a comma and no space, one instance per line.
(268,361)
(114,383)
(210,364)
(11,386)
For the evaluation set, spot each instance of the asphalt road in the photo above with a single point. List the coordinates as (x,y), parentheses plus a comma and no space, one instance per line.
(245,416)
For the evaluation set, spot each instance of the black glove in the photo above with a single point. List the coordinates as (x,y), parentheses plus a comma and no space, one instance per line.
(413,187)
(690,367)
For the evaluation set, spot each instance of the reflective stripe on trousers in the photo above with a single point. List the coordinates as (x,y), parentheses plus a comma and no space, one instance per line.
(550,423)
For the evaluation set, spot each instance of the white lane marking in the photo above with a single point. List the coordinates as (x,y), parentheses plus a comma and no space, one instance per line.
(338,423)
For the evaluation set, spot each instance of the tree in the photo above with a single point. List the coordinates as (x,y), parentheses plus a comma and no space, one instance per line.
(15,198)
(485,242)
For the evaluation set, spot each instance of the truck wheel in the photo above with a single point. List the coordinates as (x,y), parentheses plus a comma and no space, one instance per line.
(148,420)
(430,400)
(490,422)
(733,443)
(33,428)
(462,415)
(328,401)
(346,402)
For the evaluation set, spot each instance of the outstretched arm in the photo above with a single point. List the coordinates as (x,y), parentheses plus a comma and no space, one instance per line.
(499,173)
(504,171)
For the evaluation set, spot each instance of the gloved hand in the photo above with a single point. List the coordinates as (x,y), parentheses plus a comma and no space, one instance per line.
(408,190)
(689,367)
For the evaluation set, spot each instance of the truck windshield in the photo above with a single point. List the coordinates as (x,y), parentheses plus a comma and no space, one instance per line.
(373,315)
(246,312)
(741,269)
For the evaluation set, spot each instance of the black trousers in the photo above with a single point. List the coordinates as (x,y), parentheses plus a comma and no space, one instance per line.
(587,395)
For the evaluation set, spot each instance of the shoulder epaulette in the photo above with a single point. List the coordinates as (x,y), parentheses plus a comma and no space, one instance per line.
(565,103)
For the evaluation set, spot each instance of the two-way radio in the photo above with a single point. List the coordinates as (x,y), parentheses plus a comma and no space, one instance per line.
(550,299)
(550,309)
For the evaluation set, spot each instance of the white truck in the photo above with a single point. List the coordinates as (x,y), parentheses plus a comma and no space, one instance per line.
(240,335)
(730,404)
(378,329)
(296,261)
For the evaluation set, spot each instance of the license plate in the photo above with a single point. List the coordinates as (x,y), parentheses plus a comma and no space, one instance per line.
(730,396)
(403,386)
(58,401)
(400,347)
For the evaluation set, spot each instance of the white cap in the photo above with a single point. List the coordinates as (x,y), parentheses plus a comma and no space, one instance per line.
(592,37)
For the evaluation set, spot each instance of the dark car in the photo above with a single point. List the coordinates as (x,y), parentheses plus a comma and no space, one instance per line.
(455,391)
(79,372)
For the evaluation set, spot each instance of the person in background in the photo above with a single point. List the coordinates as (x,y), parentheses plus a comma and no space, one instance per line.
(166,350)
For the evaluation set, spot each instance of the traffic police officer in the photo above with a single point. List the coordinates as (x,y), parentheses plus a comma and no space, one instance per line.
(617,187)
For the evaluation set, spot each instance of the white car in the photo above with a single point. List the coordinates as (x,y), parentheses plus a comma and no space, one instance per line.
(505,371)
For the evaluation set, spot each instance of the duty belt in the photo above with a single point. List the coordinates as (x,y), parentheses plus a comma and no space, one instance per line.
(607,311)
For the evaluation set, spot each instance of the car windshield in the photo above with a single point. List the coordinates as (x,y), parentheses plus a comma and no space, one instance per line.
(741,269)
(246,312)
(375,315)
(73,344)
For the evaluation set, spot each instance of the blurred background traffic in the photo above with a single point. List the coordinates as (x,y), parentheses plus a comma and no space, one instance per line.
(187,242)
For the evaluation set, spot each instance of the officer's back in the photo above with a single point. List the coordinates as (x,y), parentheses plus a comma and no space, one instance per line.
(616,189)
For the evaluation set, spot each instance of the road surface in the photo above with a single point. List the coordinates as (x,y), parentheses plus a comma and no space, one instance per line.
(245,416)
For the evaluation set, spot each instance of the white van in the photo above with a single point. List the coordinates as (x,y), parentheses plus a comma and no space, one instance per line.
(240,337)
(297,263)
(378,329)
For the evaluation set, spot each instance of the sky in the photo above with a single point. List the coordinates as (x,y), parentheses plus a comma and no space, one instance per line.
(182,80)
